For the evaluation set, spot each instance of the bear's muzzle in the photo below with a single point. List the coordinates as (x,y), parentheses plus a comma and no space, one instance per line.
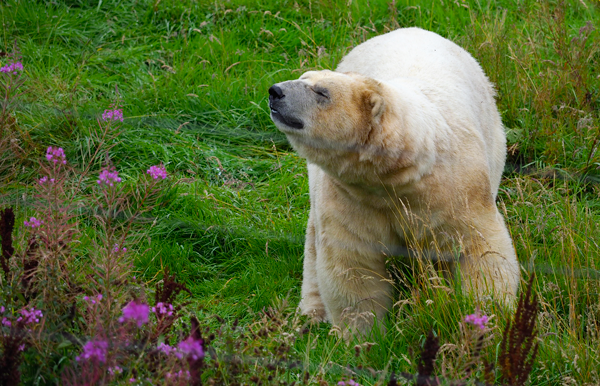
(281,111)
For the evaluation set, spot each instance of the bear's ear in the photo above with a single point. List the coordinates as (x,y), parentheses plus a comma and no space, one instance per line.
(374,99)
(377,106)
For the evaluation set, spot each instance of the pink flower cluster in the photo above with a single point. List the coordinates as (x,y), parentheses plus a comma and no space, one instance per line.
(115,370)
(157,171)
(163,309)
(108,177)
(477,319)
(94,350)
(33,223)
(92,300)
(56,155)
(178,375)
(12,67)
(5,321)
(351,382)
(113,115)
(30,315)
(43,180)
(138,312)
(165,348)
(116,249)
(190,347)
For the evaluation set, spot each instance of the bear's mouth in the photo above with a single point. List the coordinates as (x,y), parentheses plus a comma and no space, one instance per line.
(288,121)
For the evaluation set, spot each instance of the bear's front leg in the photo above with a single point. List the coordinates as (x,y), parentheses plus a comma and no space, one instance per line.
(354,285)
(311,303)
(489,264)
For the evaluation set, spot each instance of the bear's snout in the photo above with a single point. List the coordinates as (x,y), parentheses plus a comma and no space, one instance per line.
(282,106)
(275,92)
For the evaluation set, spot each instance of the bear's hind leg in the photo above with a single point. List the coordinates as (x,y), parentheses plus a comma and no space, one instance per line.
(311,303)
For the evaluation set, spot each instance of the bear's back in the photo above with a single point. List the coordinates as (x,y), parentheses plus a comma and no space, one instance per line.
(414,53)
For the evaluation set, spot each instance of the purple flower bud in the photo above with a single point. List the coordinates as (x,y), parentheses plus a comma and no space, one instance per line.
(30,315)
(163,309)
(115,370)
(56,155)
(33,223)
(12,67)
(165,348)
(180,374)
(112,115)
(116,249)
(191,348)
(108,177)
(477,319)
(157,171)
(94,350)
(137,312)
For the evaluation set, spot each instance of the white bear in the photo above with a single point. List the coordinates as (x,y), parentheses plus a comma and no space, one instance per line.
(405,148)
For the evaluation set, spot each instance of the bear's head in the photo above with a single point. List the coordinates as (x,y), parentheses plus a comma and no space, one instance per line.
(327,107)
(332,119)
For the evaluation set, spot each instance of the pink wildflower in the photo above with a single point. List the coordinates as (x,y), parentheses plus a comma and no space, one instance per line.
(30,315)
(116,249)
(165,348)
(157,171)
(56,155)
(351,382)
(161,309)
(6,322)
(115,370)
(91,300)
(94,350)
(108,177)
(477,319)
(113,115)
(180,374)
(33,222)
(45,179)
(135,311)
(12,67)
(191,348)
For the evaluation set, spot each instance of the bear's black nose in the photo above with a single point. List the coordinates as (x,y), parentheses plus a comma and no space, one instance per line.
(276,92)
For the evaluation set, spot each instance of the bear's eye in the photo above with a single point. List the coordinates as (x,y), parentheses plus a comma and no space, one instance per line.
(321,92)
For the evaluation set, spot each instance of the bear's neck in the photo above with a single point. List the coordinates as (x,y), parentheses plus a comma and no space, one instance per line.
(391,157)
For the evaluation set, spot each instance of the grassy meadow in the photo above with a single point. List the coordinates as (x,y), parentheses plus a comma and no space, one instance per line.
(191,78)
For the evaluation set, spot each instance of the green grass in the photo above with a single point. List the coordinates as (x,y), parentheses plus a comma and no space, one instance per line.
(192,78)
